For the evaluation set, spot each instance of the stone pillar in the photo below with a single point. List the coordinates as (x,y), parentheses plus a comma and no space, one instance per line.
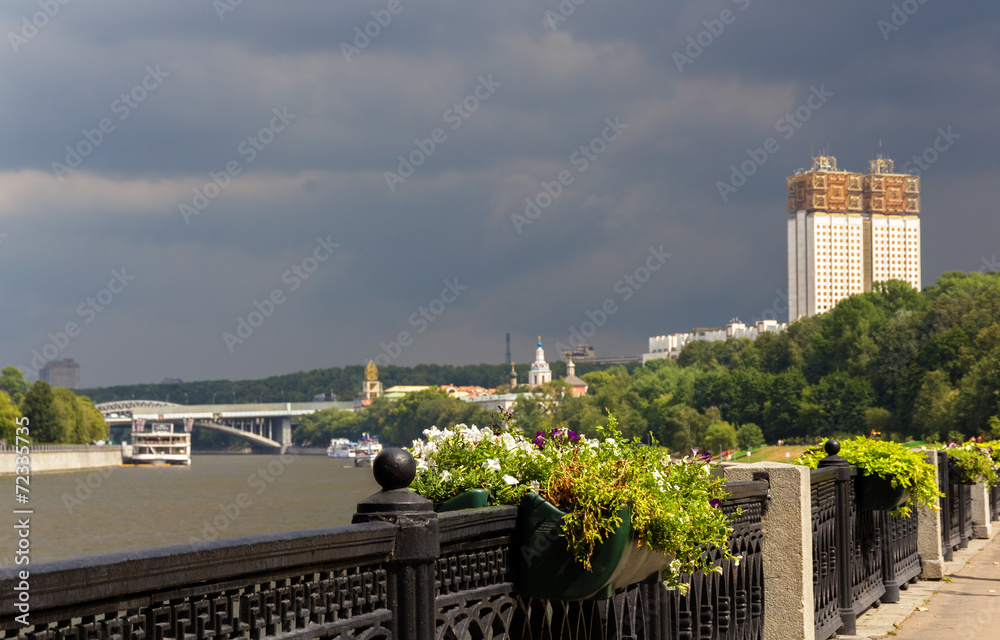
(981,526)
(787,549)
(286,433)
(929,533)
(410,573)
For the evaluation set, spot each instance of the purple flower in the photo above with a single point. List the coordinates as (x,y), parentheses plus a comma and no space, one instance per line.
(715,503)
(573,436)
(539,440)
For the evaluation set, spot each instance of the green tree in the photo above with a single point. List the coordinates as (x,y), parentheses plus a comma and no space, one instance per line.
(38,406)
(783,407)
(94,425)
(934,408)
(71,427)
(749,436)
(720,436)
(9,415)
(880,421)
(317,429)
(687,428)
(839,402)
(13,383)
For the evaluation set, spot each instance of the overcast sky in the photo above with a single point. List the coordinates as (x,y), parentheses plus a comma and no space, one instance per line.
(171,171)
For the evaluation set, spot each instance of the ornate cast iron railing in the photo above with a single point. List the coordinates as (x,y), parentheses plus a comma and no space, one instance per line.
(475,595)
(900,560)
(328,583)
(860,557)
(400,572)
(995,502)
(826,586)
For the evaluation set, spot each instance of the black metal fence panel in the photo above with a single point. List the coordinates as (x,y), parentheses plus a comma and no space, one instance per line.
(900,560)
(866,565)
(995,502)
(325,583)
(475,595)
(826,595)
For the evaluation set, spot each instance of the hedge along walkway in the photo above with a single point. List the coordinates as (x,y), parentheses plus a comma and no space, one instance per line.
(968,607)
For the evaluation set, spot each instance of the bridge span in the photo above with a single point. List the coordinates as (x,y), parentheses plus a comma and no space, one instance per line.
(265,425)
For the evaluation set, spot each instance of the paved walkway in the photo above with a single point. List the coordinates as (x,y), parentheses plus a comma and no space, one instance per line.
(966,607)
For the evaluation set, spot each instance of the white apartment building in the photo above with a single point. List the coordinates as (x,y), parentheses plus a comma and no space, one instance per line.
(670,346)
(847,231)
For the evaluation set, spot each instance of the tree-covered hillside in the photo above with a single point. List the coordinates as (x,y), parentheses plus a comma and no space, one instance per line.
(904,363)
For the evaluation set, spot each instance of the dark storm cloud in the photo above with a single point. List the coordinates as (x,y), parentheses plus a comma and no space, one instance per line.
(261,192)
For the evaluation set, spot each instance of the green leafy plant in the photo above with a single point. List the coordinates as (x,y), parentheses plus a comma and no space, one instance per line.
(975,462)
(673,505)
(901,466)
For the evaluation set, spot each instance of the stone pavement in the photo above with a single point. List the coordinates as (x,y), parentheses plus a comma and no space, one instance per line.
(966,607)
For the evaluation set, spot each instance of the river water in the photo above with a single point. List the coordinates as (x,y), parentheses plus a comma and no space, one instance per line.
(83,513)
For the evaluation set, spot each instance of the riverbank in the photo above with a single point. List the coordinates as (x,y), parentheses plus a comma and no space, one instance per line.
(45,458)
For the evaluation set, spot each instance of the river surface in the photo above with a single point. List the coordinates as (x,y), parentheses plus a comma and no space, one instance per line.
(83,513)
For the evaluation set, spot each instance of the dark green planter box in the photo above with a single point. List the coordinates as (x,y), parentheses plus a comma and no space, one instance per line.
(955,471)
(544,567)
(874,493)
(471,499)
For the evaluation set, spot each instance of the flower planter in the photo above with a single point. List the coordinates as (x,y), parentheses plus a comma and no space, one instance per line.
(471,499)
(546,569)
(874,493)
(955,471)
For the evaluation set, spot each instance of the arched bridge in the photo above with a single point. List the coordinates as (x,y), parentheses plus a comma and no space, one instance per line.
(264,425)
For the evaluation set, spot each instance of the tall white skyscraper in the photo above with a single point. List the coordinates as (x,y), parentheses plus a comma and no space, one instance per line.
(849,230)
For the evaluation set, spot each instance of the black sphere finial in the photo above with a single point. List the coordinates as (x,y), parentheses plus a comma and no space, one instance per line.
(832,447)
(394,468)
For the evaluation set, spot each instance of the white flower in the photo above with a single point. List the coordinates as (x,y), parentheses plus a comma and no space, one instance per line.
(433,433)
(534,485)
(509,443)
(511,480)
(472,434)
(422,465)
(492,464)
(445,474)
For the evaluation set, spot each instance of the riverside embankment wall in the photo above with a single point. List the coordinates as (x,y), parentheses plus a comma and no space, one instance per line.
(64,458)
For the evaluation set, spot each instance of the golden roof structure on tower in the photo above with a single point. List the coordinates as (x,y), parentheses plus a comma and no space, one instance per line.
(371,371)
(829,190)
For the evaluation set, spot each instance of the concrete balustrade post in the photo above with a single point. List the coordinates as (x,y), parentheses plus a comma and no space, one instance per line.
(787,549)
(981,525)
(929,530)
